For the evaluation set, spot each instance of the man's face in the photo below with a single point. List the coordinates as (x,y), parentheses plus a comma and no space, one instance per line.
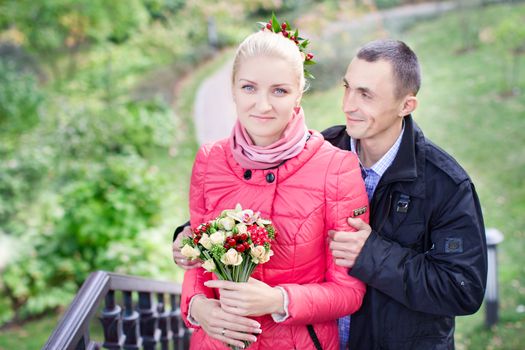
(371,108)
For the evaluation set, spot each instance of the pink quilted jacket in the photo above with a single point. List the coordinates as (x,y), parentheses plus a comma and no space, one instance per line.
(304,197)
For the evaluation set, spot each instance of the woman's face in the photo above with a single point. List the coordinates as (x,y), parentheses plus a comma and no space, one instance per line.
(265,92)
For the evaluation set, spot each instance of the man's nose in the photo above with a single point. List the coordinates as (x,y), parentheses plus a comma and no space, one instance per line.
(349,104)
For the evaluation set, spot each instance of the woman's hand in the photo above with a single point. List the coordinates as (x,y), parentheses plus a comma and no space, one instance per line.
(253,298)
(220,325)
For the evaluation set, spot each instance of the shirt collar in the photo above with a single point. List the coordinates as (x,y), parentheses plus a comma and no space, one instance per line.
(388,158)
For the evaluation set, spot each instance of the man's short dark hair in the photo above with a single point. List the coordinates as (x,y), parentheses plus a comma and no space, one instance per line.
(403,60)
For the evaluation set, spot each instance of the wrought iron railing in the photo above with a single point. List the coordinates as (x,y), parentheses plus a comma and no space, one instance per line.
(149,325)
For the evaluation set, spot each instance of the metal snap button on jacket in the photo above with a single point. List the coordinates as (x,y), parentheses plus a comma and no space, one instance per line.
(247,174)
(270,177)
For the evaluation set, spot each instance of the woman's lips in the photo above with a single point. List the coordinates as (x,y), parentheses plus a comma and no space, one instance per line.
(261,117)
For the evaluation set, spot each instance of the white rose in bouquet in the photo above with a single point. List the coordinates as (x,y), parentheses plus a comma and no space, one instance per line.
(227,223)
(232,257)
(206,241)
(217,237)
(259,254)
(242,228)
(190,252)
(209,265)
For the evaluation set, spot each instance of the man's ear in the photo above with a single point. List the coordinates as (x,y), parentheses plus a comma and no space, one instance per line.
(409,105)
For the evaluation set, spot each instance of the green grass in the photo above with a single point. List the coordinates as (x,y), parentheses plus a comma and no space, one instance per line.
(461,110)
(30,335)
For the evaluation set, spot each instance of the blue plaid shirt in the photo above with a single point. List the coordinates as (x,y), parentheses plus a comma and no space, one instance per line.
(371,176)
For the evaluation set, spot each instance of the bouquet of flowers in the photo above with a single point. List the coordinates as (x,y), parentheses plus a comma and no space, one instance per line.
(232,245)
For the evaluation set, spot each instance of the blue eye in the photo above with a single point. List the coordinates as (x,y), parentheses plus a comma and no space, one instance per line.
(248,88)
(280,91)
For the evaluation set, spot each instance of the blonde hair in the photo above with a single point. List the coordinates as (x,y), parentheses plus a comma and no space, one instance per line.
(266,43)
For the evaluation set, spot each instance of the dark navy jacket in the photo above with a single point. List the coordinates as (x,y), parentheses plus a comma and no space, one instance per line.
(425,260)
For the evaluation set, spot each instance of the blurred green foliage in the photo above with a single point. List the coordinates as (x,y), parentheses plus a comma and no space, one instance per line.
(50,25)
(20,111)
(20,100)
(87,150)
(101,194)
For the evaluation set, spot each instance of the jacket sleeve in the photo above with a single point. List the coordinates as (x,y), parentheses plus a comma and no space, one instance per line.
(194,279)
(340,294)
(448,279)
(179,229)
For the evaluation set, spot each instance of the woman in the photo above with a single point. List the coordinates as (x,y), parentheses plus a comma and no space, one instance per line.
(271,163)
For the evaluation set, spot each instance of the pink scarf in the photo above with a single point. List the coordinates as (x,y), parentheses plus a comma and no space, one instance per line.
(250,156)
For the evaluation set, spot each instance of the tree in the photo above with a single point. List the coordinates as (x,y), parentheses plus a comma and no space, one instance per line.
(54,27)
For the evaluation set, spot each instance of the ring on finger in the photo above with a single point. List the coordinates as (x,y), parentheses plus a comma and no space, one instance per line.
(223,332)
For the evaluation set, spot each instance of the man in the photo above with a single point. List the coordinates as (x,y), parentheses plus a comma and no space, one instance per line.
(423,256)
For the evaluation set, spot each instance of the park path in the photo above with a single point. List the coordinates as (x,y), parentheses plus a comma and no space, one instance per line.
(214,111)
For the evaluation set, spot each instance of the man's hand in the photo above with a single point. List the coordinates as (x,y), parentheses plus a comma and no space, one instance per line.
(346,246)
(180,259)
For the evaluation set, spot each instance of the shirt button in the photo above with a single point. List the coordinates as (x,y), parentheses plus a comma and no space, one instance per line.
(270,177)
(247,174)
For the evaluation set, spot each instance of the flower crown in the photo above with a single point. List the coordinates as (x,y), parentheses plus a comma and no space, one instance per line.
(285,29)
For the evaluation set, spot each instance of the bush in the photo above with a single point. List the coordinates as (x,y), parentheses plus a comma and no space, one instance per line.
(21,174)
(145,125)
(101,197)
(110,201)
(104,209)
(20,100)
(131,128)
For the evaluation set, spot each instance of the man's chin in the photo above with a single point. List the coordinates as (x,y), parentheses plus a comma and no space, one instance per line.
(352,132)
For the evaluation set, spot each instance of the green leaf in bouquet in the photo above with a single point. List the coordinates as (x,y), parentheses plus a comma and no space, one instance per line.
(217,251)
(187,240)
(271,231)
